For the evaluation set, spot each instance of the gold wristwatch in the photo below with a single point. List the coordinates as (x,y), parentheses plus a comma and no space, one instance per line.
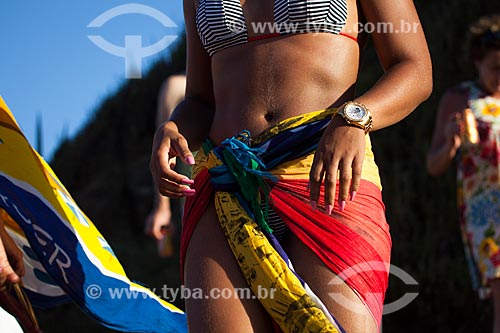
(356,114)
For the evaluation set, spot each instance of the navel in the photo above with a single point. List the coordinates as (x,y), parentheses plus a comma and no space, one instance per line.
(269,116)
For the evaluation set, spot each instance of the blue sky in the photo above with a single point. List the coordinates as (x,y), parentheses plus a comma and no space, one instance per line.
(49,67)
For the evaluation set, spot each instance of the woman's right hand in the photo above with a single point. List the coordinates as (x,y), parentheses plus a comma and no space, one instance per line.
(454,130)
(168,144)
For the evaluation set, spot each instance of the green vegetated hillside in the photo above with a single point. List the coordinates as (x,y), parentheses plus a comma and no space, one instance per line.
(105,167)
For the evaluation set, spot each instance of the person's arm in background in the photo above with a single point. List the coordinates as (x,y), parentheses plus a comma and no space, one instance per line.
(447,132)
(171,94)
(11,271)
(11,260)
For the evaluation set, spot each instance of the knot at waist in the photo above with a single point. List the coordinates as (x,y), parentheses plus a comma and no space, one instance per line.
(242,172)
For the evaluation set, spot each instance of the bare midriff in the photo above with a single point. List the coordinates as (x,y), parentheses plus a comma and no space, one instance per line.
(265,81)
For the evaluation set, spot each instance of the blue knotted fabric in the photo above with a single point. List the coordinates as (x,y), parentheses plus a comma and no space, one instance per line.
(243,172)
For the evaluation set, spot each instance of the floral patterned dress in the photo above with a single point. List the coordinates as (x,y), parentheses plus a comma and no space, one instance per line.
(479,190)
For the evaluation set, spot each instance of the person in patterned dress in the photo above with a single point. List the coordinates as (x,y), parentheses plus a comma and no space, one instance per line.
(468,130)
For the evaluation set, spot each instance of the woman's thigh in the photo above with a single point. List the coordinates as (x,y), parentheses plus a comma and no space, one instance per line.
(211,276)
(341,300)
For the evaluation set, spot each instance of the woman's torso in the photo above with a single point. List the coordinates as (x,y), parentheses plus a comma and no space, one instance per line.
(259,83)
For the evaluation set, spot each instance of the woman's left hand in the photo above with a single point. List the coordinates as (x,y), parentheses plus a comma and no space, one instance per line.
(340,151)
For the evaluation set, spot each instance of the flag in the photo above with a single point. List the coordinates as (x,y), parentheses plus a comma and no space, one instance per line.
(66,256)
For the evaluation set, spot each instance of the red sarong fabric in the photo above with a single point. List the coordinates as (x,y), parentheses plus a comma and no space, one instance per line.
(355,244)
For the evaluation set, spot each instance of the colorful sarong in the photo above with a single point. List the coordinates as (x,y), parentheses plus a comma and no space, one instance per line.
(274,168)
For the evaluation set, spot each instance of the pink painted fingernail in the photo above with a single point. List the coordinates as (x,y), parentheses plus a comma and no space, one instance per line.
(188,192)
(353,195)
(342,205)
(314,205)
(187,181)
(329,209)
(190,160)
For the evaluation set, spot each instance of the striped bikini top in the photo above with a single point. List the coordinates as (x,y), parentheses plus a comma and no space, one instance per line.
(221,23)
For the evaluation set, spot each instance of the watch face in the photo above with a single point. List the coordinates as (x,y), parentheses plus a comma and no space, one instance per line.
(355,112)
